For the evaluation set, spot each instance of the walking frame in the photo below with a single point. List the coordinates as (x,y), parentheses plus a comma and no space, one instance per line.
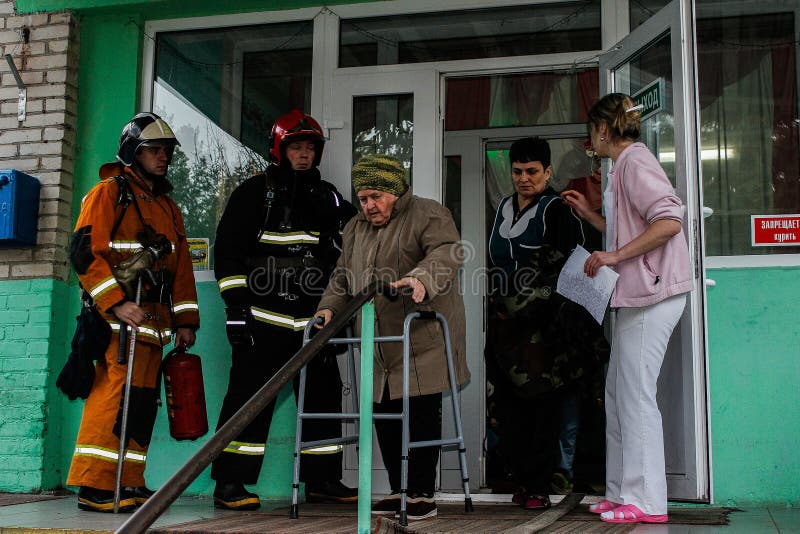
(403,416)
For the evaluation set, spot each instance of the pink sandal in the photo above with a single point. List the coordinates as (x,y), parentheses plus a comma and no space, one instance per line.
(603,506)
(630,513)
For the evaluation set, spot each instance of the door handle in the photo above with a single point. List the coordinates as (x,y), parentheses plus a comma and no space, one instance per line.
(707,212)
(710,282)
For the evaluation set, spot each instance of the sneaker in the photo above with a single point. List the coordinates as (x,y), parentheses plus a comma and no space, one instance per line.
(140,494)
(560,484)
(388,506)
(419,507)
(530,501)
(233,496)
(97,500)
(334,492)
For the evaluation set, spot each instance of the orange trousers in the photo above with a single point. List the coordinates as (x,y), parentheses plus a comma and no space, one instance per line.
(94,462)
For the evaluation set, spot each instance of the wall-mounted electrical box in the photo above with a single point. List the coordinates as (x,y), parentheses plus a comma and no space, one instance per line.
(19,208)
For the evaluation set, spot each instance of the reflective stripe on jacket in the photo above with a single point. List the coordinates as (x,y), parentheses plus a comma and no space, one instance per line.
(99,212)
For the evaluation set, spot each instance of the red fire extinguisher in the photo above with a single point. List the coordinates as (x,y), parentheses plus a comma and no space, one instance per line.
(186,399)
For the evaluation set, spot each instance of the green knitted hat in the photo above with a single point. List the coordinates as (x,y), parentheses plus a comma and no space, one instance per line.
(382,173)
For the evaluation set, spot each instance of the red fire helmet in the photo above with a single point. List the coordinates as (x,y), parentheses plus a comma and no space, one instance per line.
(295,126)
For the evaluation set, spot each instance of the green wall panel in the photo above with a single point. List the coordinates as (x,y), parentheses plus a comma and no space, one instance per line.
(62,328)
(754,371)
(31,355)
(108,94)
(161,9)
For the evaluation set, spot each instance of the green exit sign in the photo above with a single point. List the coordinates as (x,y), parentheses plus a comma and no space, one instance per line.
(651,97)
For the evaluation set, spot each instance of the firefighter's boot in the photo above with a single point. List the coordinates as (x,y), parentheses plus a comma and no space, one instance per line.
(233,496)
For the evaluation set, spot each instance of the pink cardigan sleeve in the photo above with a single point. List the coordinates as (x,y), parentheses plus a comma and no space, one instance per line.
(649,189)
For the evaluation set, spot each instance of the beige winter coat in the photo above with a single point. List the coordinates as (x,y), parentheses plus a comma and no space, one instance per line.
(420,240)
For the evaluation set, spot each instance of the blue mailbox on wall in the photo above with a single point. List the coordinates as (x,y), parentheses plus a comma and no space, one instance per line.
(19,208)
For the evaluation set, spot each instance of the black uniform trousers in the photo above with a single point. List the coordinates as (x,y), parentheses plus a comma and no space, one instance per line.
(424,424)
(251,369)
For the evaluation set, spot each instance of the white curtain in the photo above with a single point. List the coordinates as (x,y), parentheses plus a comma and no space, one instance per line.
(736,140)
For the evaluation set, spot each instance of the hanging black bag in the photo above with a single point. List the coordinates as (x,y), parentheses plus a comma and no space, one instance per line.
(91,339)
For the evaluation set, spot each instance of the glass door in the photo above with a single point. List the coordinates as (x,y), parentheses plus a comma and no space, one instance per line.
(656,62)
(392,113)
(477,175)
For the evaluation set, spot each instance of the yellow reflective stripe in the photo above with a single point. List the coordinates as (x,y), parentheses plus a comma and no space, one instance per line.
(124,245)
(231,282)
(326,449)
(130,245)
(163,335)
(279,319)
(109,455)
(103,286)
(185,306)
(248,449)
(289,238)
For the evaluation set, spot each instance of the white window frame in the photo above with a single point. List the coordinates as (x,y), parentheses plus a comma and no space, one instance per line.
(615,24)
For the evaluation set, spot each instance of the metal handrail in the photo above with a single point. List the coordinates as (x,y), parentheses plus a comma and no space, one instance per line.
(147,514)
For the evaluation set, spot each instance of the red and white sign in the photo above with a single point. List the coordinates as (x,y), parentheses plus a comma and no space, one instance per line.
(775,230)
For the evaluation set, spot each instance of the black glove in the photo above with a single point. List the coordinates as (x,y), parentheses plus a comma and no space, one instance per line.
(76,377)
(238,326)
(90,341)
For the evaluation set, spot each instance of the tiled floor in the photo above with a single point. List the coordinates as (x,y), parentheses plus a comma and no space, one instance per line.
(62,515)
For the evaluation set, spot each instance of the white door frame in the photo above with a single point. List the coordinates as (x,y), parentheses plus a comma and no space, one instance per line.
(424,85)
(677,20)
(471,146)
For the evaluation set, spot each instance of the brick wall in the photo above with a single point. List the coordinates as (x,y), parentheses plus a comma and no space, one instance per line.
(45,51)
(33,280)
(30,340)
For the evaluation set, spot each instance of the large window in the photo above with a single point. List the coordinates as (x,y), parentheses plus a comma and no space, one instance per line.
(747,78)
(485,33)
(504,100)
(221,90)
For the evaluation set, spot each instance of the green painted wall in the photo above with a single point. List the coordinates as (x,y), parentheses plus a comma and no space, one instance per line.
(31,347)
(162,9)
(754,370)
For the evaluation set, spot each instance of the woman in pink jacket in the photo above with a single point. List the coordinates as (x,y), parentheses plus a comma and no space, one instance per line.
(647,247)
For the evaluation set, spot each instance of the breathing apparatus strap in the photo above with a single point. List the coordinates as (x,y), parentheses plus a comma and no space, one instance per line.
(270,194)
(125,198)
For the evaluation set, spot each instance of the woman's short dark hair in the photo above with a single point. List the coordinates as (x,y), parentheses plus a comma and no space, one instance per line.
(530,149)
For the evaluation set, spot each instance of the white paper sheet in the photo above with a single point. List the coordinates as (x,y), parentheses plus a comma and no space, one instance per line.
(591,293)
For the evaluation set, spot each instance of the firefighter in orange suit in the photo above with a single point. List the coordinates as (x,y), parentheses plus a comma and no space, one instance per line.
(129,211)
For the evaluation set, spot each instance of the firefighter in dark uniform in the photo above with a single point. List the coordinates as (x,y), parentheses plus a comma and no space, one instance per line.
(276,245)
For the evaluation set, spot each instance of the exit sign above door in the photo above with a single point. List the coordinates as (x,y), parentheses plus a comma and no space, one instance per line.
(651,97)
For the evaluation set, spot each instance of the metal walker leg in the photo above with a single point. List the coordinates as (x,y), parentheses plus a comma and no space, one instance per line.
(407,443)
(301,413)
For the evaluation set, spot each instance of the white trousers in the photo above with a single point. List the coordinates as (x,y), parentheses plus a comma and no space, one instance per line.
(635,472)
